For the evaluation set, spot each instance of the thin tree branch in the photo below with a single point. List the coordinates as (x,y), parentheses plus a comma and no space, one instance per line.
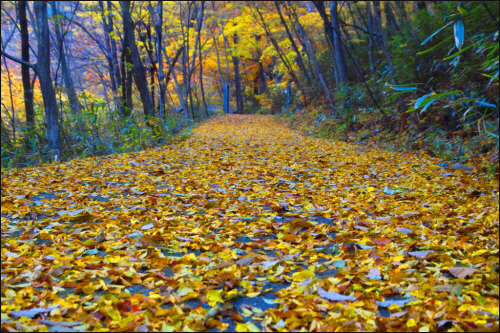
(19,61)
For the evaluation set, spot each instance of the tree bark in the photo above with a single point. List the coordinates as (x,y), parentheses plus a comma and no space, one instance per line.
(299,59)
(43,70)
(339,51)
(312,56)
(382,39)
(329,33)
(237,79)
(25,72)
(280,53)
(161,78)
(74,103)
(139,70)
(127,74)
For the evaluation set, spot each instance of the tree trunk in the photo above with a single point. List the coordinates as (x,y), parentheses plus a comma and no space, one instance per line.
(139,70)
(161,78)
(391,19)
(329,32)
(25,72)
(218,63)
(337,40)
(237,78)
(298,58)
(107,40)
(382,39)
(178,86)
(43,69)
(127,73)
(370,33)
(114,56)
(280,53)
(74,103)
(201,77)
(312,56)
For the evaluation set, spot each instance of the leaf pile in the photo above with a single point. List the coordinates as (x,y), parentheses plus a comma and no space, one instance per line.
(249,226)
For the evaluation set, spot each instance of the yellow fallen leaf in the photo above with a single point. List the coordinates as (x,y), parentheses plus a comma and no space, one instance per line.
(184,291)
(398,258)
(425,328)
(279,270)
(480,252)
(214,297)
(252,327)
(232,294)
(88,289)
(241,328)
(252,295)
(114,260)
(411,323)
(114,314)
(10,293)
(304,275)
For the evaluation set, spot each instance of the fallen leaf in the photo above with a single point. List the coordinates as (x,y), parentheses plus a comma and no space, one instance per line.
(148,226)
(32,313)
(334,297)
(462,272)
(245,261)
(421,254)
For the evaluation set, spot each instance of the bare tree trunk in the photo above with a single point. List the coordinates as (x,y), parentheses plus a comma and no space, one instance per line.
(339,51)
(13,111)
(178,86)
(25,72)
(400,7)
(299,59)
(161,78)
(127,74)
(382,39)
(312,56)
(329,33)
(391,19)
(5,134)
(111,65)
(201,74)
(370,33)
(218,64)
(74,103)
(261,76)
(226,91)
(279,51)
(237,78)
(43,69)
(114,56)
(139,70)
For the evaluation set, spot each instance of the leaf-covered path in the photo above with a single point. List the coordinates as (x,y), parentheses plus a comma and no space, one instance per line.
(248,225)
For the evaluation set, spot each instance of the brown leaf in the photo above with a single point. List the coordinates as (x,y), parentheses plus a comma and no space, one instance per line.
(382,241)
(100,238)
(462,272)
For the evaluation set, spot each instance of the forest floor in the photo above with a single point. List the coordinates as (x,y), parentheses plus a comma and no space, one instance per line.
(248,226)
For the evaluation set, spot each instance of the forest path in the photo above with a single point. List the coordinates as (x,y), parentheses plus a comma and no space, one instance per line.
(249,225)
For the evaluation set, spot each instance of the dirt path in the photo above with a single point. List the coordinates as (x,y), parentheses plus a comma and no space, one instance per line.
(246,226)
